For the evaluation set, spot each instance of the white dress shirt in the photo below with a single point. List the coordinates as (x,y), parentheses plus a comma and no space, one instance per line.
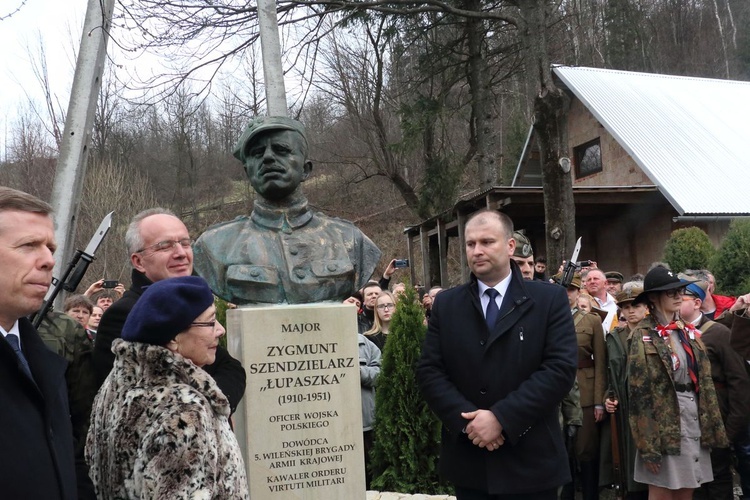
(502,289)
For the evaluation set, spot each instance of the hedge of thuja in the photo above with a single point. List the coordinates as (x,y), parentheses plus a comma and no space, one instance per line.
(688,248)
(731,264)
(407,434)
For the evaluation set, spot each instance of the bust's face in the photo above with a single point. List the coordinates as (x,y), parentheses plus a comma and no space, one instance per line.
(276,164)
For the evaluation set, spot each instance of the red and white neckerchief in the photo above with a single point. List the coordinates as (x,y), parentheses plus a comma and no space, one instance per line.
(680,327)
(663,331)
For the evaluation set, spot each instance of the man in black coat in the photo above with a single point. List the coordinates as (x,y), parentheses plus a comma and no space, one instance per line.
(159,247)
(36,435)
(497,388)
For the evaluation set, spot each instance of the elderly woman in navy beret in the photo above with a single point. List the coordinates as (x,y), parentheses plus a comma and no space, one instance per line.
(160,425)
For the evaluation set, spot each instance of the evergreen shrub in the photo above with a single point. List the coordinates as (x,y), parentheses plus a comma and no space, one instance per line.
(731,264)
(688,248)
(407,434)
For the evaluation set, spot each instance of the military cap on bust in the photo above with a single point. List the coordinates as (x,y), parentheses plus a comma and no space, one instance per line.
(614,276)
(263,124)
(523,245)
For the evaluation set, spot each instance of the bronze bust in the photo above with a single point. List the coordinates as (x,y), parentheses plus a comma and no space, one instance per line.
(283,252)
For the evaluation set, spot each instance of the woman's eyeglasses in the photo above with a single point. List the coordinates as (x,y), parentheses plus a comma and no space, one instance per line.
(675,292)
(210,324)
(384,307)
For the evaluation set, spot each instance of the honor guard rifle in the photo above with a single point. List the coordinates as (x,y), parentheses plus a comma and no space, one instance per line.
(617,475)
(72,276)
(571,266)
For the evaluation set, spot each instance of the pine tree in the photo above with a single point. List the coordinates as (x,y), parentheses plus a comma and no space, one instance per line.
(407,433)
(731,265)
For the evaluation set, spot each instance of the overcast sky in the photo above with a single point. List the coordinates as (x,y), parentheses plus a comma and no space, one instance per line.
(58,24)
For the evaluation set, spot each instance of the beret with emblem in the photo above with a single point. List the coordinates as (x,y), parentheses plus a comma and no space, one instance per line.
(523,245)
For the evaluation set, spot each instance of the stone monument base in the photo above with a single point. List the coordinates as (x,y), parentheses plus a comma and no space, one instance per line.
(300,423)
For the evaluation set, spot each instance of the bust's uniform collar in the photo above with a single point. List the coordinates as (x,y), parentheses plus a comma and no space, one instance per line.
(293,217)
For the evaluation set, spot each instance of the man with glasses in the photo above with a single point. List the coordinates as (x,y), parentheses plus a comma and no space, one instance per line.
(732,387)
(160,247)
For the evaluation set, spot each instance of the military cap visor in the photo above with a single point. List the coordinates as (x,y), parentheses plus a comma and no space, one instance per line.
(264,124)
(614,276)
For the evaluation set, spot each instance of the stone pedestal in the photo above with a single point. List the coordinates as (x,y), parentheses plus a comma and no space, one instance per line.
(300,422)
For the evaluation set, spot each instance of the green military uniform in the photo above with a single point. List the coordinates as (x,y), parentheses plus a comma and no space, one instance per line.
(570,408)
(654,410)
(617,343)
(592,379)
(63,335)
(66,337)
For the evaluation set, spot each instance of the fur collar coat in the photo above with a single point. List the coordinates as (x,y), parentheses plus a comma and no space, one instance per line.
(160,429)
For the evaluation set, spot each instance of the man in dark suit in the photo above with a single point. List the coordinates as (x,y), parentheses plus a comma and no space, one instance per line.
(497,388)
(36,435)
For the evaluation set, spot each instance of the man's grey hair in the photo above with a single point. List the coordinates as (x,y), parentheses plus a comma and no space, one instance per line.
(699,274)
(133,237)
(659,264)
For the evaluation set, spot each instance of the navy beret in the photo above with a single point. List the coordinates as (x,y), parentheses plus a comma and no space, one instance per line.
(167,308)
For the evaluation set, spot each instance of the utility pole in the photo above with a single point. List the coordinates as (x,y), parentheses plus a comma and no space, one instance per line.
(270,48)
(74,149)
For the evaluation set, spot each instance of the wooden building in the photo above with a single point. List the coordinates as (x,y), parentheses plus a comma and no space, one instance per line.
(648,154)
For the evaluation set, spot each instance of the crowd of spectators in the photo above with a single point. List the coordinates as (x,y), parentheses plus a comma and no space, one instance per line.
(662,370)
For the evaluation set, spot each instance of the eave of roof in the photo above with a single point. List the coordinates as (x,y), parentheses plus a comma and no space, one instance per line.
(579,193)
(689,135)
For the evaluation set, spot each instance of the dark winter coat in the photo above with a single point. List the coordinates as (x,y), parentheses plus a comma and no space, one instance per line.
(227,371)
(729,375)
(36,442)
(740,327)
(617,364)
(520,371)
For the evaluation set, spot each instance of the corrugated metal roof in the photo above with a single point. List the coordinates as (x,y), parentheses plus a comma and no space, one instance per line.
(689,135)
